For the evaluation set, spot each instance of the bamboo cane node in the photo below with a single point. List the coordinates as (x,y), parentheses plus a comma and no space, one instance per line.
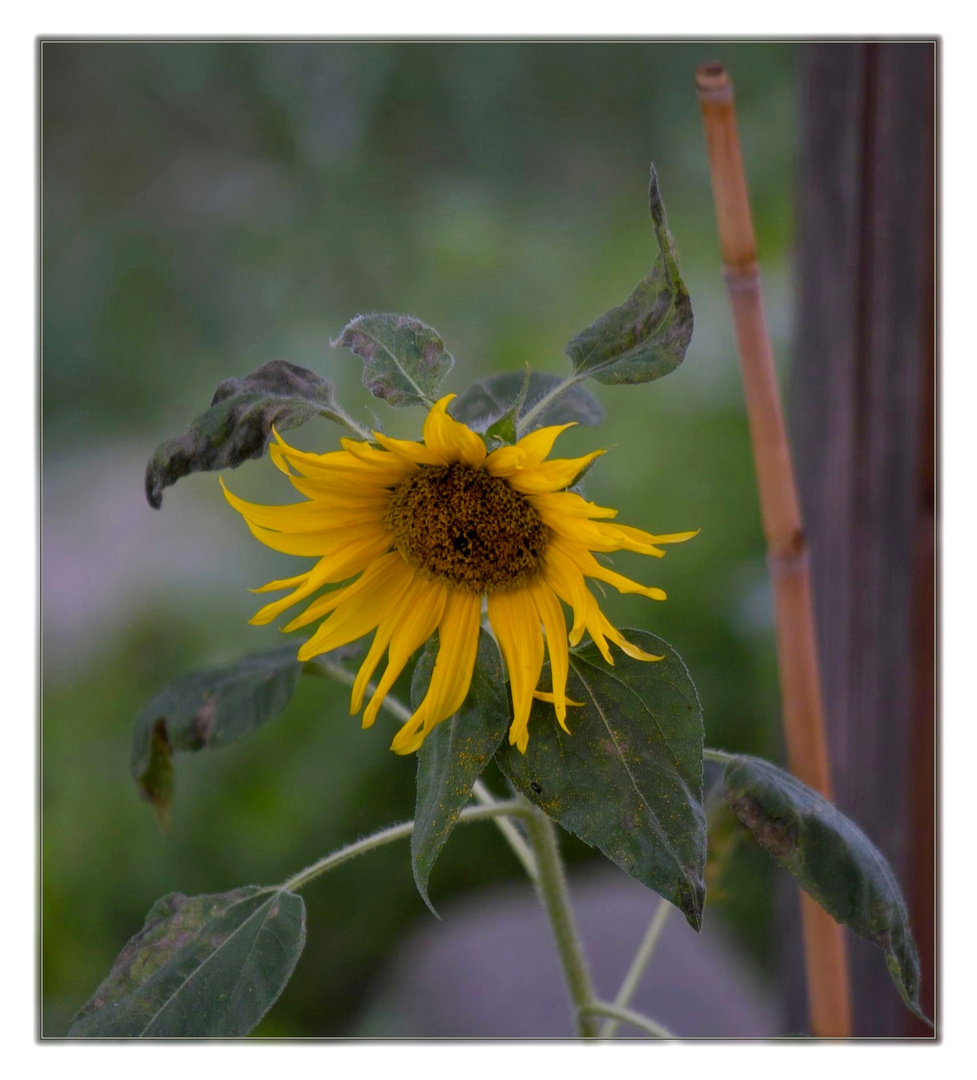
(712,83)
(788,557)
(743,276)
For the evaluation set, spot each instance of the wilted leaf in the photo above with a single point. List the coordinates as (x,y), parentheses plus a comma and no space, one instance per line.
(403,359)
(489,401)
(454,754)
(237,426)
(629,778)
(201,966)
(831,858)
(647,336)
(208,709)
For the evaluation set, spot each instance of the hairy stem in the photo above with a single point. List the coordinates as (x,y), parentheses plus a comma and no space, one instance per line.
(552,887)
(480,792)
(626,1016)
(387,836)
(522,425)
(638,965)
(718,756)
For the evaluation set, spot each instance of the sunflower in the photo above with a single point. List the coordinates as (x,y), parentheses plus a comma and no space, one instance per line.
(416,534)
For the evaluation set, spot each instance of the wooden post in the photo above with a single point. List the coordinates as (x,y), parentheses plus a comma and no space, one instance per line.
(826,963)
(862,421)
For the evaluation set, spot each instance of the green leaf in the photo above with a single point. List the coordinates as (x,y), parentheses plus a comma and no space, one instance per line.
(454,754)
(403,359)
(496,400)
(202,966)
(628,780)
(237,426)
(831,858)
(647,336)
(208,709)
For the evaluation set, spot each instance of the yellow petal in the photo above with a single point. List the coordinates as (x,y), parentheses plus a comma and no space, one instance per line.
(366,604)
(551,475)
(307,516)
(390,563)
(451,441)
(417,624)
(515,620)
(529,451)
(565,579)
(568,504)
(591,568)
(555,625)
(452,674)
(414,452)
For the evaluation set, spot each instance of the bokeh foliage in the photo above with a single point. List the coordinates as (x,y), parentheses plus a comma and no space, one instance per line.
(208,207)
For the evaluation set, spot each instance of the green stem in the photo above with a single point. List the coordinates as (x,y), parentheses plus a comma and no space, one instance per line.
(387,836)
(552,887)
(718,756)
(480,792)
(638,965)
(626,1016)
(341,416)
(522,425)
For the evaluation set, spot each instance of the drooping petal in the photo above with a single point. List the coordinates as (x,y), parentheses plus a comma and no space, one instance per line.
(365,605)
(417,624)
(452,674)
(555,625)
(515,621)
(591,568)
(451,441)
(565,579)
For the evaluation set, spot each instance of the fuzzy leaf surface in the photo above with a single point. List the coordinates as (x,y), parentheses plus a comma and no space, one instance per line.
(831,858)
(646,336)
(207,709)
(454,754)
(237,426)
(202,966)
(404,360)
(498,400)
(628,780)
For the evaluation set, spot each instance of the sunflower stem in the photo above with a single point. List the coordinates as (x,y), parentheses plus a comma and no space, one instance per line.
(341,416)
(552,887)
(387,836)
(522,425)
(480,792)
(638,965)
(627,1016)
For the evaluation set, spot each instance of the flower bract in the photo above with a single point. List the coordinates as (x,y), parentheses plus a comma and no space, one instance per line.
(412,537)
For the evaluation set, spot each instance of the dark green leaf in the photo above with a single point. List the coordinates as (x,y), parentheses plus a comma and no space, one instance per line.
(201,966)
(629,778)
(237,426)
(403,359)
(208,709)
(490,401)
(831,858)
(453,756)
(647,336)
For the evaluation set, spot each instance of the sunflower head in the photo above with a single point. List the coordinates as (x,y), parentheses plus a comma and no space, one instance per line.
(411,538)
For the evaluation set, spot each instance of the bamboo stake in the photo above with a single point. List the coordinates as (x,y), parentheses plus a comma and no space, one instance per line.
(827,968)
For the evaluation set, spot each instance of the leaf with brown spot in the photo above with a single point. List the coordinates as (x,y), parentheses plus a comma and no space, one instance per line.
(202,966)
(831,858)
(404,360)
(208,709)
(238,425)
(647,336)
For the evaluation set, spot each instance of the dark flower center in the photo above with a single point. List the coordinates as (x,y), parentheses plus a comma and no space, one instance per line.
(467,528)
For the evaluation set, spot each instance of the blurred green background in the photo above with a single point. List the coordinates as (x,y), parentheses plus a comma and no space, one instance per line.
(209,206)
